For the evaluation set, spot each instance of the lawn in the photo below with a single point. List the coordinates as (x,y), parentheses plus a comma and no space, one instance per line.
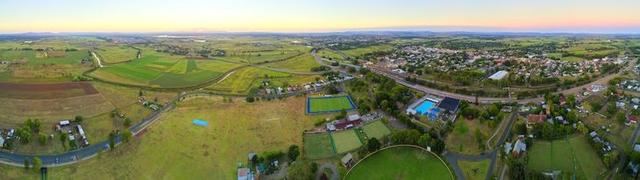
(174,148)
(317,146)
(345,141)
(400,163)
(329,104)
(376,130)
(463,137)
(559,155)
(474,170)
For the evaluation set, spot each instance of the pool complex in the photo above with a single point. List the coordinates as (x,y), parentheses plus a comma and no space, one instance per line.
(425,106)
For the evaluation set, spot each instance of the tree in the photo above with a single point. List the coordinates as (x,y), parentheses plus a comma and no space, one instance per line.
(37,163)
(373,144)
(127,122)
(78,119)
(26,164)
(126,135)
(63,140)
(293,153)
(620,117)
(250,99)
(112,139)
(24,134)
(300,170)
(425,140)
(42,138)
(582,128)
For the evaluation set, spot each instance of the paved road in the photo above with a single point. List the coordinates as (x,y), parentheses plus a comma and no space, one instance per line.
(70,157)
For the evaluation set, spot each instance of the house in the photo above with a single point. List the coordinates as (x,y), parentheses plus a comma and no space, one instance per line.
(353,117)
(347,160)
(535,119)
(1,141)
(64,123)
(632,119)
(508,147)
(519,147)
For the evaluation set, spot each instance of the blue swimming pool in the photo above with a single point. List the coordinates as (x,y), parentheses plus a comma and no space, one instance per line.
(200,122)
(424,107)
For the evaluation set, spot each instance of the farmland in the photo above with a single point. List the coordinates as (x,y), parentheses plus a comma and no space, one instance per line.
(401,163)
(158,70)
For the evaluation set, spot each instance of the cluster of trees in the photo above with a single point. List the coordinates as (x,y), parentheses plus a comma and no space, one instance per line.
(415,137)
(379,92)
(320,68)
(609,158)
(25,133)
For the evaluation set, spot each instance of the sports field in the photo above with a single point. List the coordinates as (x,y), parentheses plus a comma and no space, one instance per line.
(345,141)
(329,104)
(561,155)
(318,146)
(376,130)
(400,163)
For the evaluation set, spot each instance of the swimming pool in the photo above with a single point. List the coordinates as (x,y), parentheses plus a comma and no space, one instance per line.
(424,107)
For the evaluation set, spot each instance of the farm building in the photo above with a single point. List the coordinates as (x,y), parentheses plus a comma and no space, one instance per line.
(347,160)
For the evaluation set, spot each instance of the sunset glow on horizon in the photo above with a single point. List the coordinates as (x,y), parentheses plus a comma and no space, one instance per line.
(317,15)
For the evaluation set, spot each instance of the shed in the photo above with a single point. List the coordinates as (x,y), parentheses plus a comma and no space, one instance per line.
(347,160)
(353,117)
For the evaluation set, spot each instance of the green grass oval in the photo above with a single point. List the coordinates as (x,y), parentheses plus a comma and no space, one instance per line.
(400,163)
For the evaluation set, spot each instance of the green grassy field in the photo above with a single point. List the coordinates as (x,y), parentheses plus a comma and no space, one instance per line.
(302,63)
(361,51)
(164,71)
(376,130)
(400,163)
(327,104)
(346,141)
(317,146)
(474,170)
(174,148)
(242,80)
(116,54)
(559,154)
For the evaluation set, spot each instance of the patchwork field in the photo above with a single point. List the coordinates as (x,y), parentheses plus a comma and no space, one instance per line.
(400,163)
(329,104)
(345,141)
(318,146)
(160,70)
(561,154)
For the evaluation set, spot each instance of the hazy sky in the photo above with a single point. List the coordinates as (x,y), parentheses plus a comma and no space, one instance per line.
(318,15)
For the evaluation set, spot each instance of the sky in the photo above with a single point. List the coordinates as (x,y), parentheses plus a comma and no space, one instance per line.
(591,16)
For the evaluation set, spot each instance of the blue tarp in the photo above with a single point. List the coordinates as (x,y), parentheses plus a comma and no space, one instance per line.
(200,122)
